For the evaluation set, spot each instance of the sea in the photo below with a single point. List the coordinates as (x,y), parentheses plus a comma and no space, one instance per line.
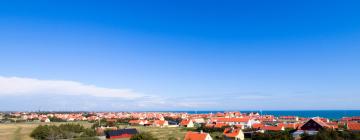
(331,114)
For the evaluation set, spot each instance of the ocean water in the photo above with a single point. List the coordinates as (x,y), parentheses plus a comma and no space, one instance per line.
(331,114)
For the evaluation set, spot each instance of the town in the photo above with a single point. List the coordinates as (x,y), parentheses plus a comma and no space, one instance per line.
(211,126)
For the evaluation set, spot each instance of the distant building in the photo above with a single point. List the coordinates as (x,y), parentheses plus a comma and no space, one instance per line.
(288,119)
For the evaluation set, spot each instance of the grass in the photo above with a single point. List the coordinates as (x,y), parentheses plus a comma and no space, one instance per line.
(21,131)
(17,134)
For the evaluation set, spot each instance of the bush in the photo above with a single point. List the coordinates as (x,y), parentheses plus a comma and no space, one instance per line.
(63,131)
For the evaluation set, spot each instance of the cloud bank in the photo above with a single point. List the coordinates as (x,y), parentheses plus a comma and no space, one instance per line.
(29,86)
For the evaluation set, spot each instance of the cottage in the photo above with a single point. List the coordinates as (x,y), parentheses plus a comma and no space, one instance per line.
(314,124)
(245,121)
(353,126)
(233,134)
(187,123)
(160,123)
(197,136)
(121,133)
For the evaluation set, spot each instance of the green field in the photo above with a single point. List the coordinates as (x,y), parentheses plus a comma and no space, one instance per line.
(21,131)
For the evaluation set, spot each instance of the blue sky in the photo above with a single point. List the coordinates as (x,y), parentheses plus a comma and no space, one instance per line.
(179,55)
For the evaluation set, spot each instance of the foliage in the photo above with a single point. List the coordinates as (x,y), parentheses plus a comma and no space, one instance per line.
(178,119)
(55,119)
(210,129)
(63,131)
(329,134)
(143,136)
(281,135)
(172,138)
(217,136)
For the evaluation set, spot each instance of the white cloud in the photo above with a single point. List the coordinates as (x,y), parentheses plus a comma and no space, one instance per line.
(26,86)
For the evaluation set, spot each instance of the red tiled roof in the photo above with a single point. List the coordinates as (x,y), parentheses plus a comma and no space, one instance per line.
(231,133)
(245,119)
(257,126)
(195,136)
(219,125)
(159,122)
(353,126)
(289,125)
(184,122)
(320,122)
(134,121)
(272,128)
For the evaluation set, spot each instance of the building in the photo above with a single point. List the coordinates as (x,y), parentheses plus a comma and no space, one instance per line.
(160,123)
(197,136)
(288,119)
(245,121)
(273,128)
(121,133)
(314,124)
(353,126)
(187,123)
(233,134)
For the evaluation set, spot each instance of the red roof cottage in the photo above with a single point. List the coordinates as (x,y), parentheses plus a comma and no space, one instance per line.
(197,136)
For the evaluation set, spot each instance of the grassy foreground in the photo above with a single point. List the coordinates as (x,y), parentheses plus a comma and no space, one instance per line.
(21,131)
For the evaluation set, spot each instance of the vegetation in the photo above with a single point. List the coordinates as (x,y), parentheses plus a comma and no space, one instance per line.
(55,119)
(329,134)
(210,129)
(217,135)
(143,136)
(178,120)
(63,131)
(273,135)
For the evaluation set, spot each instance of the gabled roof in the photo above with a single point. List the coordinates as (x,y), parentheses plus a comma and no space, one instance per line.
(232,133)
(185,122)
(273,128)
(219,125)
(195,136)
(353,126)
(159,122)
(289,125)
(320,122)
(257,125)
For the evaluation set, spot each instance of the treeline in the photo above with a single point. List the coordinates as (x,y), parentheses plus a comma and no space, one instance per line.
(63,131)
